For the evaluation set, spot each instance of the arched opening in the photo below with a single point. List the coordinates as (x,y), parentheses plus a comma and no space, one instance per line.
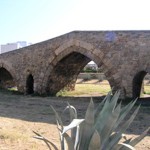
(6,79)
(91,82)
(66,71)
(138,84)
(30,84)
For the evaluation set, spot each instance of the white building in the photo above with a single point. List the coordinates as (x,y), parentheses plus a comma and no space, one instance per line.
(12,46)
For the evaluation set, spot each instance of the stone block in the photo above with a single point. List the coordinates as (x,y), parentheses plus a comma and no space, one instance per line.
(99,53)
(86,45)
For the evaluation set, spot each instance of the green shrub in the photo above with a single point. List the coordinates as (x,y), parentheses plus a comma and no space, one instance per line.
(99,130)
(89,70)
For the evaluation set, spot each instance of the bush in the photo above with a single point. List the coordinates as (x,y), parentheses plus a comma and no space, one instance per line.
(99,130)
(89,70)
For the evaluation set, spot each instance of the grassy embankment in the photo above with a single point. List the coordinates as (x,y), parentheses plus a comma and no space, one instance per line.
(90,89)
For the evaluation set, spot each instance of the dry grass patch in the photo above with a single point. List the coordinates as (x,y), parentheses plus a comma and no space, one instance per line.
(17,134)
(19,115)
(87,90)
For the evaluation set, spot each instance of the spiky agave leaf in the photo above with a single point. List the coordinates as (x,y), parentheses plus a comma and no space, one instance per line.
(70,142)
(87,129)
(107,117)
(58,118)
(76,143)
(115,98)
(110,123)
(95,142)
(73,115)
(124,111)
(72,111)
(117,136)
(139,138)
(125,146)
(101,127)
(101,105)
(47,142)
(73,124)
(133,142)
(60,128)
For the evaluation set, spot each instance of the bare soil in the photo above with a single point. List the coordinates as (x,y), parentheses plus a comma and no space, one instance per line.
(20,115)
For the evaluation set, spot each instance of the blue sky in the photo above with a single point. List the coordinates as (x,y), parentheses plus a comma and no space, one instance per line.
(38,20)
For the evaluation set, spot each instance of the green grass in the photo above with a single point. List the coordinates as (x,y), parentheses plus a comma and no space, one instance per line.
(92,90)
(147,89)
(13,89)
(86,89)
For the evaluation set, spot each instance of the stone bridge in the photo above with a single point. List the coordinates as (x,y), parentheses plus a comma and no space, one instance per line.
(49,66)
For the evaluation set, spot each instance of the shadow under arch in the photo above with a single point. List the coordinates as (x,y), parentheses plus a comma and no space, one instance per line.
(6,79)
(30,84)
(7,75)
(8,67)
(137,83)
(66,67)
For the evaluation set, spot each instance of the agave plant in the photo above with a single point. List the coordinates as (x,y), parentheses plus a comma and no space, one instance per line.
(100,130)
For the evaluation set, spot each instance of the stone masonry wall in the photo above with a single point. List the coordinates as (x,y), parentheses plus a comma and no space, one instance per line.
(121,55)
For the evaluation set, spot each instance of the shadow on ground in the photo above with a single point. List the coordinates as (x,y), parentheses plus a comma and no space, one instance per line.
(37,109)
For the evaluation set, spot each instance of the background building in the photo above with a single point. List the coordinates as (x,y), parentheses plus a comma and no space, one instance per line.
(12,46)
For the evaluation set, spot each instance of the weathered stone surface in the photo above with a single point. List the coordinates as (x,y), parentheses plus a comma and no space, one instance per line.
(55,63)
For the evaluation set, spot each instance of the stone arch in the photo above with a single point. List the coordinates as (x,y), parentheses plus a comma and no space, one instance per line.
(8,67)
(7,75)
(81,49)
(137,83)
(30,84)
(79,46)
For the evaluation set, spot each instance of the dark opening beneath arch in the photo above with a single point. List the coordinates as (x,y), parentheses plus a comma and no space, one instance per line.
(65,73)
(137,84)
(30,84)
(6,79)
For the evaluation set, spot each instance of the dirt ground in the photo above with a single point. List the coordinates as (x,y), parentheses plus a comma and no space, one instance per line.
(20,115)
